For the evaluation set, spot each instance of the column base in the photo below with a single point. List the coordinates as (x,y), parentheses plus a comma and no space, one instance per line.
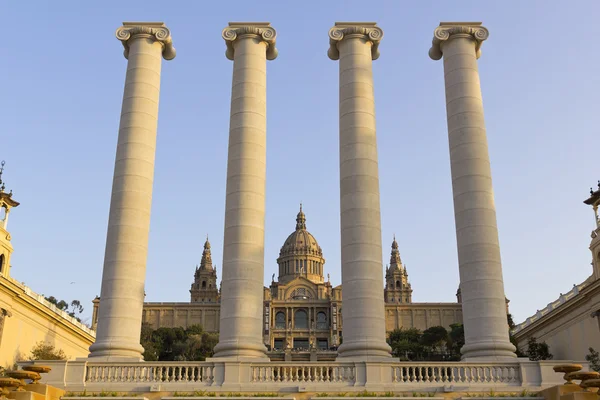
(240,350)
(488,351)
(116,351)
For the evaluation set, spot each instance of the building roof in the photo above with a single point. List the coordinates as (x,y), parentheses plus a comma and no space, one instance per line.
(301,241)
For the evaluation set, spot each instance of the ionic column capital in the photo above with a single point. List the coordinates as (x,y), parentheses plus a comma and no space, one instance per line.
(238,30)
(154,30)
(347,30)
(451,30)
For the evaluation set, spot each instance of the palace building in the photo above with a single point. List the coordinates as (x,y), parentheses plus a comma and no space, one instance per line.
(302,309)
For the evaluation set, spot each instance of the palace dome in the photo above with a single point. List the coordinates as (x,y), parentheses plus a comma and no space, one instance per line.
(300,255)
(301,241)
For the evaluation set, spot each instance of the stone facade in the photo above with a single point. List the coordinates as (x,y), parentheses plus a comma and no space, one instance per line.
(301,307)
(571,324)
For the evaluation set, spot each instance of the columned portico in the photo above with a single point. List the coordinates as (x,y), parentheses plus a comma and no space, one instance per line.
(481,283)
(124,273)
(355,45)
(249,45)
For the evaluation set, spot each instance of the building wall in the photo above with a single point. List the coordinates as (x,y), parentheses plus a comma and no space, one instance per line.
(29,319)
(417,315)
(422,315)
(569,325)
(170,315)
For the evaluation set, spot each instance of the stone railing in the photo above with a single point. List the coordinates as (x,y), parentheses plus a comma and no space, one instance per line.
(550,307)
(42,300)
(316,372)
(222,375)
(456,372)
(150,372)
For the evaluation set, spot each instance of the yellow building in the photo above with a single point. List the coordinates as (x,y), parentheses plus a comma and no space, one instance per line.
(301,308)
(26,317)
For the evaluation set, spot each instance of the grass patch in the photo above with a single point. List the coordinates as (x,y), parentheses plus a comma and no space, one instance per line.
(99,394)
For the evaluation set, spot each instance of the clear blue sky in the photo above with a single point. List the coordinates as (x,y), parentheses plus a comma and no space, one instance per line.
(62,75)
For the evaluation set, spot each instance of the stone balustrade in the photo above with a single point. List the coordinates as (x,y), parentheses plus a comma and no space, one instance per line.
(457,373)
(150,372)
(42,300)
(550,307)
(342,373)
(322,376)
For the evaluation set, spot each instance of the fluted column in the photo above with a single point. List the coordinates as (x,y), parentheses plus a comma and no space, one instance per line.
(249,45)
(481,284)
(355,45)
(124,273)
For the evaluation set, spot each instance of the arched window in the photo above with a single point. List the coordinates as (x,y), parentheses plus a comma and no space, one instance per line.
(301,319)
(280,320)
(300,294)
(203,284)
(322,320)
(1,263)
(397,284)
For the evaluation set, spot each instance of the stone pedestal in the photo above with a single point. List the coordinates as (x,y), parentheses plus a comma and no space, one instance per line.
(580,395)
(124,273)
(556,392)
(49,392)
(249,45)
(355,45)
(481,284)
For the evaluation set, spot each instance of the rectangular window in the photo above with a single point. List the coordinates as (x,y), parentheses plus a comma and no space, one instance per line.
(322,344)
(301,344)
(278,344)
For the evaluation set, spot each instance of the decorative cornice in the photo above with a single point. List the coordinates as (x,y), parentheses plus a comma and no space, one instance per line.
(343,30)
(238,30)
(450,30)
(156,30)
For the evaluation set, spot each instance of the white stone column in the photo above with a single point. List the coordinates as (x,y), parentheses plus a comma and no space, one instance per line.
(249,45)
(481,284)
(355,45)
(124,273)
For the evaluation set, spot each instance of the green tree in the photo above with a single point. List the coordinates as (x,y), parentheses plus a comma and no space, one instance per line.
(60,304)
(177,344)
(456,338)
(538,351)
(411,335)
(511,323)
(406,343)
(45,351)
(194,330)
(76,309)
(594,359)
(435,337)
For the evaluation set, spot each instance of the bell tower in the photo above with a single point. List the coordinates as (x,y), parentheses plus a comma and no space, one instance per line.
(594,201)
(397,287)
(204,289)
(6,203)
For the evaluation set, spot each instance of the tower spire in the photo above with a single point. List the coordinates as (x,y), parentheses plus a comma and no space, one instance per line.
(206,262)
(395,261)
(300,219)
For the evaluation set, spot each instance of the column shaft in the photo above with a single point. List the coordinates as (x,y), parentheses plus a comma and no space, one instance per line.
(124,273)
(240,332)
(481,283)
(362,266)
